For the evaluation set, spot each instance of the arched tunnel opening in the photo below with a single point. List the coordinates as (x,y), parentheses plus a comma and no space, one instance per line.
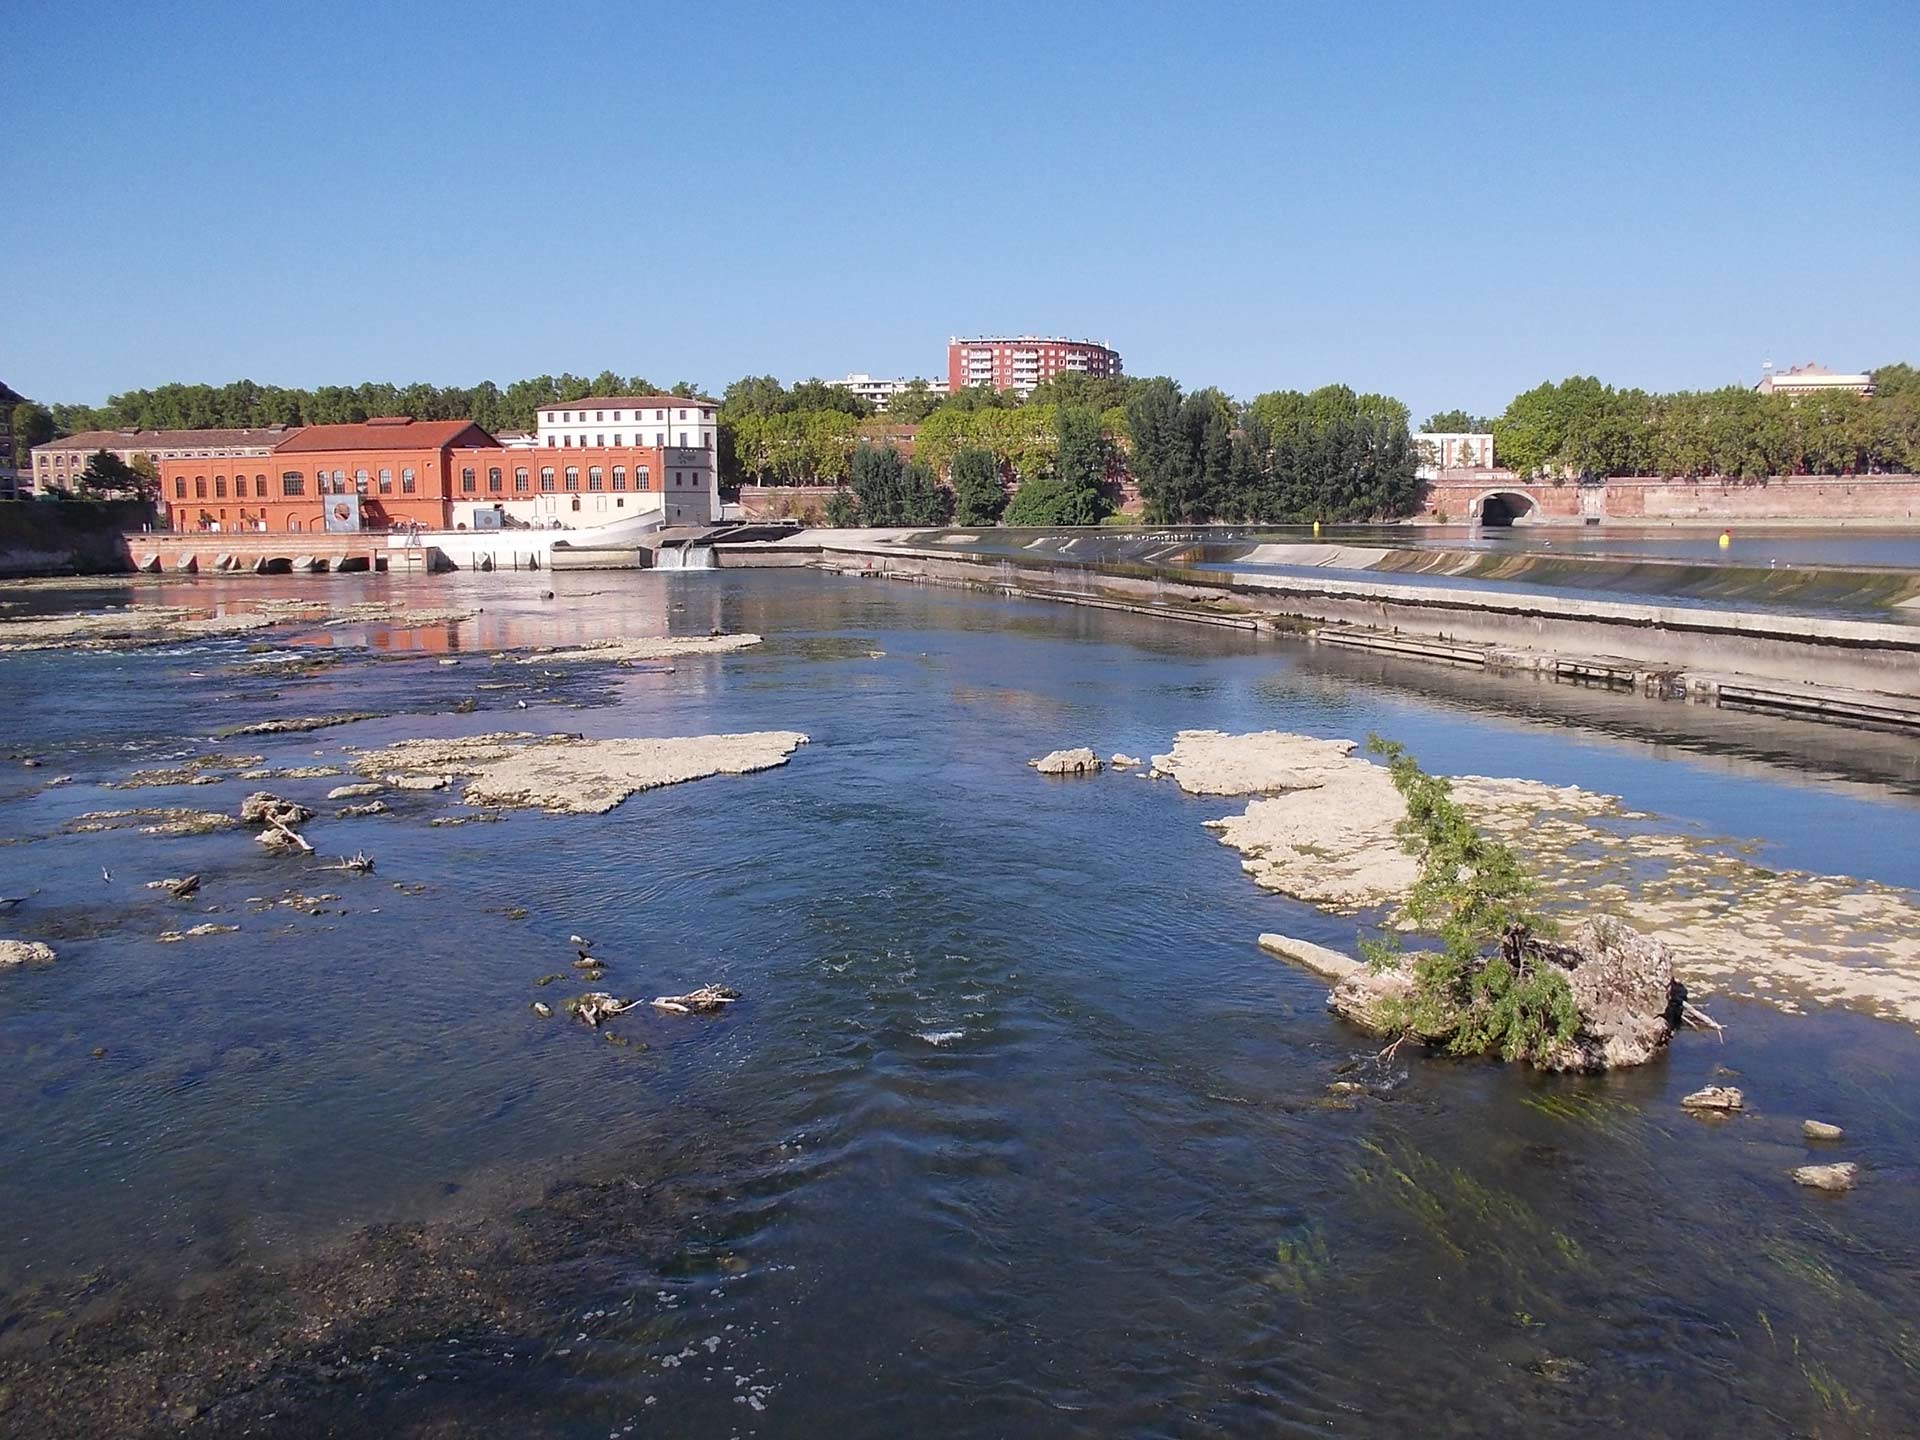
(1505,509)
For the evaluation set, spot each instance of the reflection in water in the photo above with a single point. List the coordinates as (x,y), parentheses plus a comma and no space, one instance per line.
(1017,1132)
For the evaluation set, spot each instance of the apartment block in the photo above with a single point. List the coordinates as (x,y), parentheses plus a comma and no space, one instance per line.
(1022,362)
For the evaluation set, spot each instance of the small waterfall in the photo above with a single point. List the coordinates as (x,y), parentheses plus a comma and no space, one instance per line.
(683,557)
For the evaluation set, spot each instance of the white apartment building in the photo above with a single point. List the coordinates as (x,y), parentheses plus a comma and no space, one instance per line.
(1445,451)
(1811,379)
(878,393)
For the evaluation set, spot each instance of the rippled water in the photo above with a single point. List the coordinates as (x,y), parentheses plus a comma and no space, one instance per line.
(1017,1131)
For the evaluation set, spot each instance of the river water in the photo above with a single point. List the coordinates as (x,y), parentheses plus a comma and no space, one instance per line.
(1016,1132)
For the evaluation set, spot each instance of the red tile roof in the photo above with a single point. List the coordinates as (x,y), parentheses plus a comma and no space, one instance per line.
(387,432)
(628,402)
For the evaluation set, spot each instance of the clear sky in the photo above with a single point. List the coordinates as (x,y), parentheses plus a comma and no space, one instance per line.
(1446,204)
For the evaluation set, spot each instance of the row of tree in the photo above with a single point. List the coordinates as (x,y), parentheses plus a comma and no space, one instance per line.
(1583,428)
(244,404)
(1286,458)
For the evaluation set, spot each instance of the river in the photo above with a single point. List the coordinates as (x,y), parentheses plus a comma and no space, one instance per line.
(1016,1131)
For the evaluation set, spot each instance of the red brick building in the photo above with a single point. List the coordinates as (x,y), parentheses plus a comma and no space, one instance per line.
(394,471)
(1022,362)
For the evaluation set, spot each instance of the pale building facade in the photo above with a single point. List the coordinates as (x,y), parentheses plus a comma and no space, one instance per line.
(684,429)
(1452,451)
(62,462)
(880,393)
(1812,380)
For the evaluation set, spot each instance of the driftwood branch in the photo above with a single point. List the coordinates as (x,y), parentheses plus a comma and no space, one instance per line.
(291,833)
(1693,1015)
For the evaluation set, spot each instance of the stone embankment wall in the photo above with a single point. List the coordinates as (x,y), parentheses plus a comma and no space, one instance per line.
(68,537)
(783,502)
(1884,500)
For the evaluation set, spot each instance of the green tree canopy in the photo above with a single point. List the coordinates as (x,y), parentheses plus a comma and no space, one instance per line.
(979,497)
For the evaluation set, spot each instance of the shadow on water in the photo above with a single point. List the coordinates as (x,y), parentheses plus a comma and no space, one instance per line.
(1016,1131)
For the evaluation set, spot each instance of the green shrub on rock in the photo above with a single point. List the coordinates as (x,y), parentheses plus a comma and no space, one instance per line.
(1487,989)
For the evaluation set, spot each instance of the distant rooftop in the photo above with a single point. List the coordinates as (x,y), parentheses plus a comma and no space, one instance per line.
(135,438)
(630,402)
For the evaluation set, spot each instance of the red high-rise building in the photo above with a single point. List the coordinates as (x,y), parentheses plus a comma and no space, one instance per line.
(1022,362)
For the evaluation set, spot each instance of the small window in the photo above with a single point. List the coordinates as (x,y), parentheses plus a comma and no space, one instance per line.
(600,440)
(619,439)
(616,420)
(292,482)
(493,479)
(467,486)
(386,482)
(566,441)
(683,415)
(599,415)
(520,479)
(546,477)
(573,477)
(595,478)
(619,477)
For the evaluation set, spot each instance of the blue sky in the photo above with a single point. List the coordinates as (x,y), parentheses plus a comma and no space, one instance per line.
(1446,204)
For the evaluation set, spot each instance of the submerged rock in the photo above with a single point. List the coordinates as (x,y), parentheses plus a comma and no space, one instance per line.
(1079,761)
(173,937)
(24,952)
(1841,1176)
(355,790)
(665,647)
(298,724)
(1714,1098)
(263,807)
(568,774)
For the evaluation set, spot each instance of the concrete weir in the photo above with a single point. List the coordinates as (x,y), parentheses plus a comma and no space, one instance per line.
(1854,671)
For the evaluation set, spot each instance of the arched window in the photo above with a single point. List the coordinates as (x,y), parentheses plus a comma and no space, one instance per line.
(493,479)
(595,478)
(573,477)
(576,502)
(360,478)
(467,486)
(642,478)
(220,486)
(292,482)
(386,482)
(199,487)
(619,477)
(180,488)
(519,479)
(406,481)
(546,477)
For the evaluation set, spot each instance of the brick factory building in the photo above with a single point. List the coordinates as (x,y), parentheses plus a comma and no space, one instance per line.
(394,471)
(1022,362)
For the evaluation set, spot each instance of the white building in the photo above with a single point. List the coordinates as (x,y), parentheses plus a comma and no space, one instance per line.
(879,393)
(1811,380)
(684,430)
(1452,451)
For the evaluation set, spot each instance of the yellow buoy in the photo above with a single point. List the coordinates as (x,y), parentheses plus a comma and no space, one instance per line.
(1316,527)
(1726,539)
